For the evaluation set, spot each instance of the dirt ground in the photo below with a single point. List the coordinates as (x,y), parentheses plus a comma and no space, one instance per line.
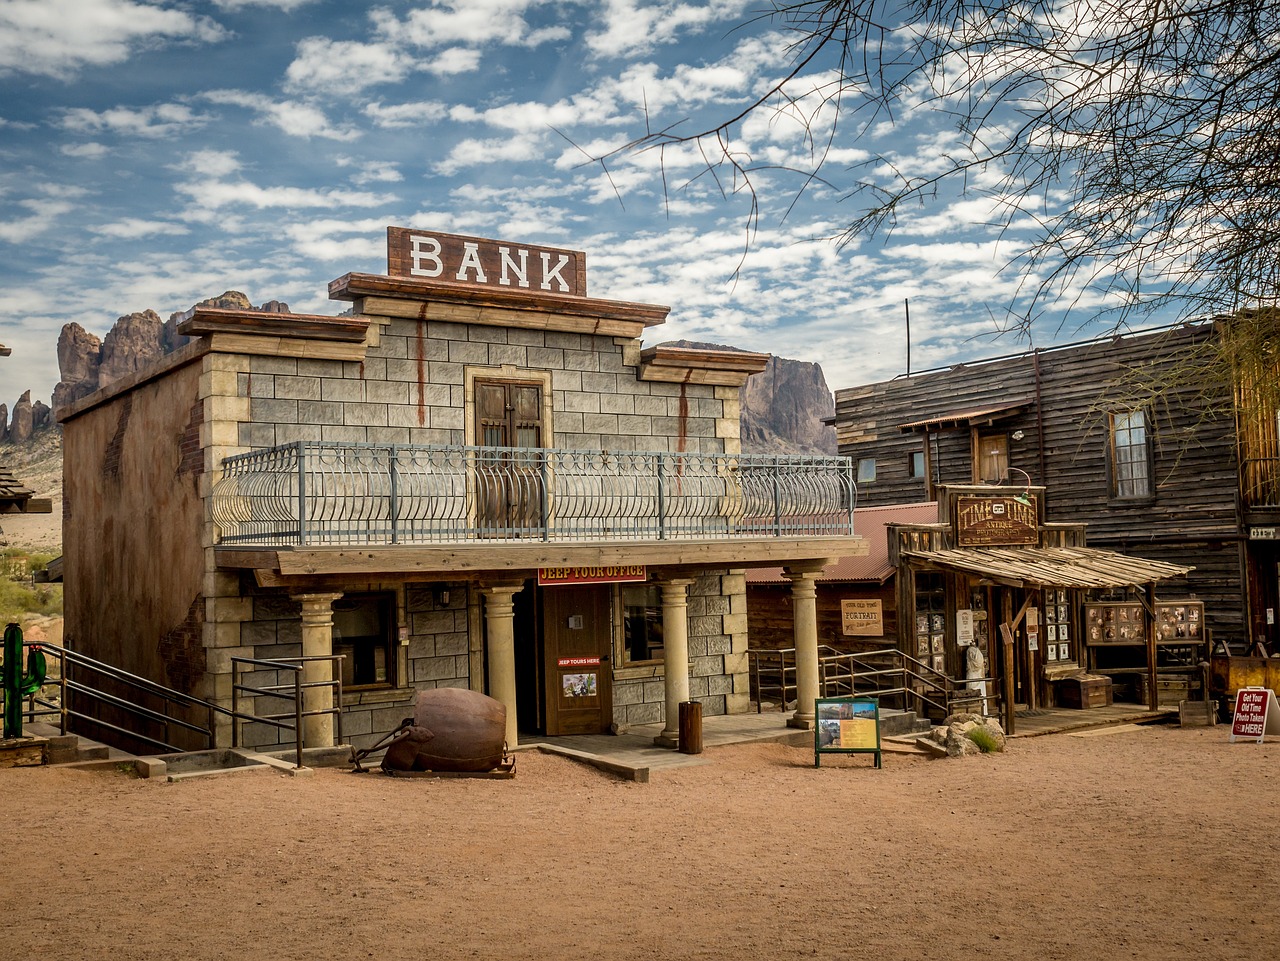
(1150,844)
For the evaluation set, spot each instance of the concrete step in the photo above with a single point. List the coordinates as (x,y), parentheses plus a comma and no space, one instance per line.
(895,723)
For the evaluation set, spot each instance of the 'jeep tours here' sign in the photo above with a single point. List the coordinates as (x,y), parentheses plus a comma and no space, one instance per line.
(477,262)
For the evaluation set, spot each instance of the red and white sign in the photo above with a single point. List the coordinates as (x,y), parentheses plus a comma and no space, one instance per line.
(551,576)
(577,662)
(1256,715)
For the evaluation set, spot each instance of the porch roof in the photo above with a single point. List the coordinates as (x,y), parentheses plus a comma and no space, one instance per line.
(1075,567)
(505,559)
(964,418)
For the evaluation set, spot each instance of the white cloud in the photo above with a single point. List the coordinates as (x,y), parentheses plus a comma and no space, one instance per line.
(85,151)
(214,195)
(344,67)
(469,22)
(133,228)
(629,27)
(43,218)
(285,5)
(291,117)
(211,163)
(406,114)
(520,148)
(371,171)
(154,122)
(56,38)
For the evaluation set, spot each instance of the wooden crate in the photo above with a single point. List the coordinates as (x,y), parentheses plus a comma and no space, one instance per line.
(1084,691)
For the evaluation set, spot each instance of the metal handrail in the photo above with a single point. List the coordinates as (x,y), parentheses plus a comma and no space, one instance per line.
(310,493)
(39,706)
(839,672)
(68,659)
(293,691)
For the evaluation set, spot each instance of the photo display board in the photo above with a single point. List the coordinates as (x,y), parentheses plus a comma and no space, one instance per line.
(846,725)
(1177,622)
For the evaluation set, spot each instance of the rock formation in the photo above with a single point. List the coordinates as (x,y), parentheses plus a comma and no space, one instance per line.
(783,407)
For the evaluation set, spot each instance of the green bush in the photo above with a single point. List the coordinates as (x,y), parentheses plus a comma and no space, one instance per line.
(985,740)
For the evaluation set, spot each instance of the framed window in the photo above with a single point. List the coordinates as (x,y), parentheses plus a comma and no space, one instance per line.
(1130,466)
(915,464)
(642,624)
(866,470)
(364,631)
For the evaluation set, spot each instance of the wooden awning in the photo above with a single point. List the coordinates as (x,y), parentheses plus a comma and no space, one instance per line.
(964,418)
(1077,567)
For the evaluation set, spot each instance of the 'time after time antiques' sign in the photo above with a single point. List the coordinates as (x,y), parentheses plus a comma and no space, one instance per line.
(997,521)
(477,262)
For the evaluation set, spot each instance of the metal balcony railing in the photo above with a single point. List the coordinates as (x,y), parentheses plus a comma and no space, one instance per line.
(316,494)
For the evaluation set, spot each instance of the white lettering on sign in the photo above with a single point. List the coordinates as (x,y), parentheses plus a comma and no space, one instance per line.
(475,261)
(548,271)
(521,270)
(425,248)
(471,260)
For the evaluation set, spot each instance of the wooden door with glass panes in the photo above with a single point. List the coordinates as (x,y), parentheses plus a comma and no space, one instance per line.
(931,622)
(578,641)
(509,482)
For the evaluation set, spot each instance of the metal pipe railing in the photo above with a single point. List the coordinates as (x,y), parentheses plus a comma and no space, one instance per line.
(321,493)
(294,691)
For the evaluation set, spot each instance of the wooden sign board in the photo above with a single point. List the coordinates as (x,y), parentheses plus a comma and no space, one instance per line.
(997,521)
(861,617)
(479,262)
(846,725)
(1256,715)
(551,576)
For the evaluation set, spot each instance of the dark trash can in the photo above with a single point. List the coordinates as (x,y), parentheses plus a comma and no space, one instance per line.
(690,727)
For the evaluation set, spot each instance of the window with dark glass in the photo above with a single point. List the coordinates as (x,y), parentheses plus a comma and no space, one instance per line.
(866,470)
(363,632)
(915,464)
(642,623)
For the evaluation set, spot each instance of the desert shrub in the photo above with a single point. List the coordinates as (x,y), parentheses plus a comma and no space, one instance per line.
(985,740)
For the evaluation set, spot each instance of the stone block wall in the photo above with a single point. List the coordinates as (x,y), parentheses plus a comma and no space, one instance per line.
(718,676)
(437,655)
(410,389)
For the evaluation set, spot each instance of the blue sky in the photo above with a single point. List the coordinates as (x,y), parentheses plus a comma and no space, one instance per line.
(156,154)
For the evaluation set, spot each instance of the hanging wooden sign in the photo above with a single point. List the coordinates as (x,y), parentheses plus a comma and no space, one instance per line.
(997,521)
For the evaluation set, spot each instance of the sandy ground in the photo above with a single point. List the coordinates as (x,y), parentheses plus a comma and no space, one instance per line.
(1151,844)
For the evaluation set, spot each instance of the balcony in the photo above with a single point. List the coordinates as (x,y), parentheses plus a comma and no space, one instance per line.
(316,495)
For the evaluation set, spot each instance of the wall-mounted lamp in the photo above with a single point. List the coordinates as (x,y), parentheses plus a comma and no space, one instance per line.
(442,597)
(1025,497)
(1018,435)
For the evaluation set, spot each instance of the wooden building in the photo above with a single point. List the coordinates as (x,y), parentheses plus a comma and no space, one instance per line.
(1120,438)
(476,479)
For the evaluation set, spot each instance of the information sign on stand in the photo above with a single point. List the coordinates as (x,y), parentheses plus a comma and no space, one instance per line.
(1256,715)
(846,725)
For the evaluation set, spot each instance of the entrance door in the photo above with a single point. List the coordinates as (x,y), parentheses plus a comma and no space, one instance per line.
(509,485)
(578,634)
(990,458)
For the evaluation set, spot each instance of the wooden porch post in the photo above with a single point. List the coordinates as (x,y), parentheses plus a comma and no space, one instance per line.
(804,611)
(675,645)
(499,619)
(317,641)
(1148,616)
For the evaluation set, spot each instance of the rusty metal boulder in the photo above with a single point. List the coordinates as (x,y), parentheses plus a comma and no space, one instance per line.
(453,730)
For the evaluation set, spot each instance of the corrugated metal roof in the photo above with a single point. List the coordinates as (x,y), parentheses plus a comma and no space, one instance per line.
(870,523)
(1081,567)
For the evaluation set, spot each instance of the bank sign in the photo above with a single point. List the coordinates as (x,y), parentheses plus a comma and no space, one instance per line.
(478,262)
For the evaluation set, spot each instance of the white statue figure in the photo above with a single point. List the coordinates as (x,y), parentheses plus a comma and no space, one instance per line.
(975,672)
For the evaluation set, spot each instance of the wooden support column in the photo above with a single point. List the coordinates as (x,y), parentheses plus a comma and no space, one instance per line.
(499,620)
(804,613)
(317,641)
(1149,618)
(675,640)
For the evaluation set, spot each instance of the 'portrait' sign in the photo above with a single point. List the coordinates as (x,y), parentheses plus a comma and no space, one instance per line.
(861,617)
(997,521)
(477,262)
